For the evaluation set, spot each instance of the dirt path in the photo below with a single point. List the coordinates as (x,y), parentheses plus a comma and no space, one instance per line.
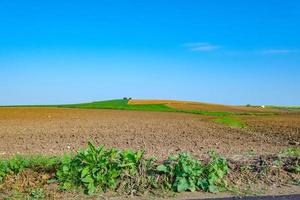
(55,131)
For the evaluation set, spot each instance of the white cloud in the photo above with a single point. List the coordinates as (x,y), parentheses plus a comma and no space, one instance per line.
(278,51)
(202,46)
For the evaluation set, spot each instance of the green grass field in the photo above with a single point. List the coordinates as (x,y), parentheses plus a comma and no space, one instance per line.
(231,121)
(122,104)
(296,108)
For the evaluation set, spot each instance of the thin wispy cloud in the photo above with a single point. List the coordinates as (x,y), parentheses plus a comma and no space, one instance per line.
(278,51)
(205,47)
(202,46)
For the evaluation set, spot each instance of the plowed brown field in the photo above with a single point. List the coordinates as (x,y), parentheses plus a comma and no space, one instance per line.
(57,130)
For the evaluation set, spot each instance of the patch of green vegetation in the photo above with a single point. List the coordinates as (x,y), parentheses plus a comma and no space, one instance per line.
(293,151)
(184,173)
(97,170)
(100,169)
(18,163)
(34,194)
(128,171)
(37,193)
(120,104)
(285,107)
(297,182)
(231,121)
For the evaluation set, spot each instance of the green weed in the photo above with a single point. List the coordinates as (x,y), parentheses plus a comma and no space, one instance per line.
(18,163)
(37,194)
(4,169)
(297,182)
(181,173)
(294,151)
(184,173)
(96,170)
(100,168)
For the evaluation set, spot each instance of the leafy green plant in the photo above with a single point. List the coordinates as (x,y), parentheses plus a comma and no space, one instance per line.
(297,182)
(18,163)
(99,168)
(123,171)
(181,172)
(37,194)
(184,173)
(45,163)
(4,169)
(215,172)
(297,169)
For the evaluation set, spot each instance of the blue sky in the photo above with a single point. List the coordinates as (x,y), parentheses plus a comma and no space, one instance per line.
(232,52)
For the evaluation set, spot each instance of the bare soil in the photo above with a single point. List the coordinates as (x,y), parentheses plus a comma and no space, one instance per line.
(54,131)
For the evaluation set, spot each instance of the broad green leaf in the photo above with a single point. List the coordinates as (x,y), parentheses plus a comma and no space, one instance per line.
(192,186)
(162,168)
(67,185)
(173,158)
(182,185)
(85,172)
(87,179)
(203,184)
(65,169)
(213,189)
(91,188)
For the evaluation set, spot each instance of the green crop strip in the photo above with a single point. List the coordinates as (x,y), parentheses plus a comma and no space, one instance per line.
(295,108)
(231,121)
(120,104)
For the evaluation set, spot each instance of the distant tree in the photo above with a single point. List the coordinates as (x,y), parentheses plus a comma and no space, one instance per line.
(248,105)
